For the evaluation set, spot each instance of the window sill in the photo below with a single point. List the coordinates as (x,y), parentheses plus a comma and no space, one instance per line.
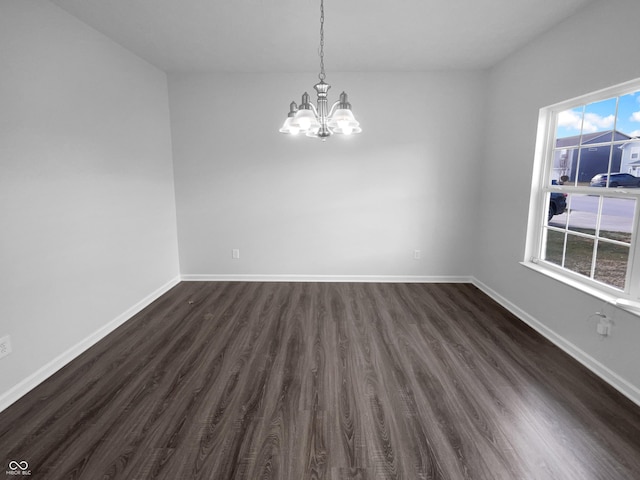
(622,303)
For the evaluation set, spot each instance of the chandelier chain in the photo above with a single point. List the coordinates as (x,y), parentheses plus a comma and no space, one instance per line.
(322,75)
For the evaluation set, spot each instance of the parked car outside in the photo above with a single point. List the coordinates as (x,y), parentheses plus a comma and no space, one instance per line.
(557,204)
(615,180)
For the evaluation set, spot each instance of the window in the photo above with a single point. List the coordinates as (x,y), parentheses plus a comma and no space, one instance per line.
(585,199)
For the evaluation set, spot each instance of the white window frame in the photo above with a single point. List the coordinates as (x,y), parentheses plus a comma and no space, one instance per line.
(629,299)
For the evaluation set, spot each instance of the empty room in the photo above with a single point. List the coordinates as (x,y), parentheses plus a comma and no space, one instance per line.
(319,239)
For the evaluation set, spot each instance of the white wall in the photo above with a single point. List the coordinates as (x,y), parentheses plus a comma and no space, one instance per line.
(592,50)
(355,205)
(87,209)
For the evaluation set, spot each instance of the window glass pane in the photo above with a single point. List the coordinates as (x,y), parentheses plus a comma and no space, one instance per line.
(616,222)
(594,166)
(569,127)
(579,254)
(611,264)
(565,166)
(583,214)
(557,215)
(598,122)
(554,247)
(628,121)
(630,157)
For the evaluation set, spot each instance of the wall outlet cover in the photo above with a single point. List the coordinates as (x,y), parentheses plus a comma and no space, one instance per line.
(5,346)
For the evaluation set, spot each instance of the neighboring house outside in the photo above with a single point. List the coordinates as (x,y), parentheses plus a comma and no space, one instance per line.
(630,157)
(584,161)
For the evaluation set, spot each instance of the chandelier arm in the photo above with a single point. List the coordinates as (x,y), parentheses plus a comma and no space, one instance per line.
(313,108)
(333,108)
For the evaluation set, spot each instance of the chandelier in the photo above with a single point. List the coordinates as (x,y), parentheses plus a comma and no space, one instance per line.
(320,121)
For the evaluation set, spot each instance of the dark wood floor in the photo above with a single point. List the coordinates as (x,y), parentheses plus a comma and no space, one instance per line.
(324,381)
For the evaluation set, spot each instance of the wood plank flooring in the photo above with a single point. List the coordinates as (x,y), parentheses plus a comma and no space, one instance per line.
(294,381)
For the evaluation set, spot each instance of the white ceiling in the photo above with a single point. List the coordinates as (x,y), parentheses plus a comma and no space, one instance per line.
(283,35)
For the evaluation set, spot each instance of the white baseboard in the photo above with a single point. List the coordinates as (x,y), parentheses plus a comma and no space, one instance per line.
(61,360)
(327,278)
(616,381)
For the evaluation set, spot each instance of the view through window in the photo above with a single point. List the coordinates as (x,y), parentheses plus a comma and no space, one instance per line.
(590,188)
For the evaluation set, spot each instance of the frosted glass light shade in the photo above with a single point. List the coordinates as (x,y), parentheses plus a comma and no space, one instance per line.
(288,127)
(343,121)
(306,121)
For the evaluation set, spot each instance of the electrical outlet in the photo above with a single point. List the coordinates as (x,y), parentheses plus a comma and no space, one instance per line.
(5,346)
(235,253)
(416,254)
(603,329)
(604,326)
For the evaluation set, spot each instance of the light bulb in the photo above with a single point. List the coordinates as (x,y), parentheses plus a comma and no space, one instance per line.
(305,120)
(344,122)
(304,123)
